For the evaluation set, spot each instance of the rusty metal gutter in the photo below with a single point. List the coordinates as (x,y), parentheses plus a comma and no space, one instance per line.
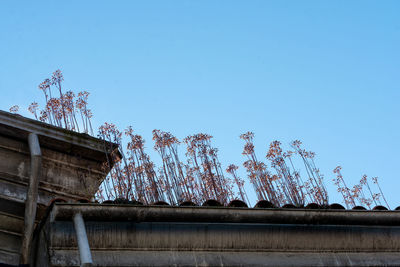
(99,212)
(31,197)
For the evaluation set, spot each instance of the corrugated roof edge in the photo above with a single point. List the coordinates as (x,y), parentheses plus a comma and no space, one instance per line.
(262,204)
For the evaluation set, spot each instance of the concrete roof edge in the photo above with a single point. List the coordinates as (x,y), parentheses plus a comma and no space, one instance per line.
(48,132)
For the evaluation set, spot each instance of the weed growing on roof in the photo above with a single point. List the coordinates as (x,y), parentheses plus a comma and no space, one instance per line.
(199,176)
(62,111)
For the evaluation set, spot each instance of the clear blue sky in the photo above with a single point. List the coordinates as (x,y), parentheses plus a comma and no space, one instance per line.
(324,72)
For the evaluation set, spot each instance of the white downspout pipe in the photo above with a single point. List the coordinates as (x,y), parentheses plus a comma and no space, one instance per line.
(83,243)
(31,197)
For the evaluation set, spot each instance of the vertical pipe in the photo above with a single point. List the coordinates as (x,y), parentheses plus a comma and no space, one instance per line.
(83,243)
(31,197)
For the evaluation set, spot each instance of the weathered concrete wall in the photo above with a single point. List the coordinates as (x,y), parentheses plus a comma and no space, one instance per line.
(11,228)
(148,237)
(63,175)
(71,169)
(227,258)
